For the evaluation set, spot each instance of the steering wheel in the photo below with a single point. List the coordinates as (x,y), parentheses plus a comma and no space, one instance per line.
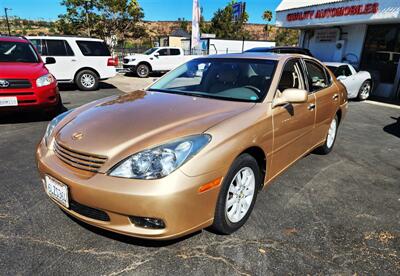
(255,89)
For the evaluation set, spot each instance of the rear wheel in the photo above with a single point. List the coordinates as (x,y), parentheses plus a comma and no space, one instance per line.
(238,195)
(143,70)
(330,137)
(87,80)
(365,90)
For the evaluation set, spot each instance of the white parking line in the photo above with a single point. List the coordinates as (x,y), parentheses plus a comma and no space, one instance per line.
(383,104)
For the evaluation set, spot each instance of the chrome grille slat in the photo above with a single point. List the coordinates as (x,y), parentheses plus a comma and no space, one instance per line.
(79,160)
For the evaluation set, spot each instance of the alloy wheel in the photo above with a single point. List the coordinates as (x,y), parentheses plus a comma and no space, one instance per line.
(331,133)
(88,80)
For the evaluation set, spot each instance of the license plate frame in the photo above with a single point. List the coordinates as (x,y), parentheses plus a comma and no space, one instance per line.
(57,191)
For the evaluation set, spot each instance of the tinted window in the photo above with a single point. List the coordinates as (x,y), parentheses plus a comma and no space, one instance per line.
(317,78)
(174,52)
(57,48)
(93,48)
(343,70)
(38,43)
(163,52)
(246,80)
(17,52)
(150,51)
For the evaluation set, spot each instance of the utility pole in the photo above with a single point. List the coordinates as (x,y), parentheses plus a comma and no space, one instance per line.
(87,15)
(8,23)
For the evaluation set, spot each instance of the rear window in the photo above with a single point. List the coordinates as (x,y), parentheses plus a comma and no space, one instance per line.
(93,48)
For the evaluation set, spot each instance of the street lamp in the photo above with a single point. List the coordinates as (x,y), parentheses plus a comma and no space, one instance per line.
(87,2)
(8,23)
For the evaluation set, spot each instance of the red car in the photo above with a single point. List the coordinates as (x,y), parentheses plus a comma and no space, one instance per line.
(25,82)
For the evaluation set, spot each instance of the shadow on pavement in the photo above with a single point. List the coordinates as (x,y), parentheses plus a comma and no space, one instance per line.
(128,239)
(393,128)
(18,117)
(73,87)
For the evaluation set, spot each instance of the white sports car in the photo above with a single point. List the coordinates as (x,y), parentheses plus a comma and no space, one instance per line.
(358,84)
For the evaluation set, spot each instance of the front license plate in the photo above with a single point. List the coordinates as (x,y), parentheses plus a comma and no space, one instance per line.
(57,190)
(8,101)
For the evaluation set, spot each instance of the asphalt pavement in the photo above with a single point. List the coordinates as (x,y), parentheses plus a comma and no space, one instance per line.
(335,214)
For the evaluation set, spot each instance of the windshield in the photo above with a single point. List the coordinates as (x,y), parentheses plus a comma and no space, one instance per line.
(246,80)
(150,51)
(17,52)
(334,70)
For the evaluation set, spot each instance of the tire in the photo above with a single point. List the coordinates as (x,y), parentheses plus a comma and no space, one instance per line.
(365,90)
(330,137)
(87,80)
(227,219)
(143,70)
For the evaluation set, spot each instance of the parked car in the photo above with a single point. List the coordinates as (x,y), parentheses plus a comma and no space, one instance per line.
(225,126)
(158,59)
(79,60)
(358,84)
(25,82)
(280,50)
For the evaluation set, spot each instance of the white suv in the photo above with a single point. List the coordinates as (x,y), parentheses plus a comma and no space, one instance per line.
(80,60)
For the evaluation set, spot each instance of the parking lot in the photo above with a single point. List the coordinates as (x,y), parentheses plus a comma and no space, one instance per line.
(335,214)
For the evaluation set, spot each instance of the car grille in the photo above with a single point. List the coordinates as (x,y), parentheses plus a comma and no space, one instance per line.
(125,60)
(16,93)
(88,211)
(83,161)
(17,83)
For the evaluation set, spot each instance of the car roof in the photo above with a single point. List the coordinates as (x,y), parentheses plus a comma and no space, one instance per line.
(63,37)
(259,55)
(335,64)
(13,39)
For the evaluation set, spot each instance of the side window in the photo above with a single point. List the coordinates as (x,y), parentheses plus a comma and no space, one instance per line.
(292,76)
(346,70)
(58,48)
(38,45)
(175,52)
(317,78)
(163,52)
(93,48)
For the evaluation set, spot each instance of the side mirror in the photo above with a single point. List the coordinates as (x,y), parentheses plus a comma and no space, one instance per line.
(291,95)
(157,54)
(342,77)
(50,60)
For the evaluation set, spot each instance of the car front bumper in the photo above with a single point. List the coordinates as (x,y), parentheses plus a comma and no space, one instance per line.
(174,199)
(131,68)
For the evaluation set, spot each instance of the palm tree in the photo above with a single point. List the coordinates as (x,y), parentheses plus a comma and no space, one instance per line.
(267,16)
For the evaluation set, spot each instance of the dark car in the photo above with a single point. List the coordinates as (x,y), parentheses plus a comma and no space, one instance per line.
(281,50)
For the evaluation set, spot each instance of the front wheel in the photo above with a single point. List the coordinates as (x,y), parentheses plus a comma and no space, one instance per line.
(87,80)
(238,195)
(143,71)
(330,137)
(365,90)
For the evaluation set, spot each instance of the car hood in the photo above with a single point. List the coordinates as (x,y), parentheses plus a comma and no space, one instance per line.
(21,70)
(137,56)
(120,126)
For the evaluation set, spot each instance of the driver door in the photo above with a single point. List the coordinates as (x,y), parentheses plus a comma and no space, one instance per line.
(293,123)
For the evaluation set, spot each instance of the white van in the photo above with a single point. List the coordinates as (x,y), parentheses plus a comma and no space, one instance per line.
(80,60)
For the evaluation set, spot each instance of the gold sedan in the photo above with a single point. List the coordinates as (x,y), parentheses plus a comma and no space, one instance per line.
(193,149)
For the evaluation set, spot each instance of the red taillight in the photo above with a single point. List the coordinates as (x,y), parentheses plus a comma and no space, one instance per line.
(112,61)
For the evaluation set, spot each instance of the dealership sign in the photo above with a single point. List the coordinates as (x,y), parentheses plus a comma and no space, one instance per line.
(334,12)
(340,13)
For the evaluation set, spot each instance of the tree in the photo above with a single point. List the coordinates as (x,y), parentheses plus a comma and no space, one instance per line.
(286,37)
(267,16)
(224,26)
(102,18)
(183,23)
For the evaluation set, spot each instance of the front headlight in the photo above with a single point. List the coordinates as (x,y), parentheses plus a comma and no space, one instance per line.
(160,161)
(53,123)
(45,80)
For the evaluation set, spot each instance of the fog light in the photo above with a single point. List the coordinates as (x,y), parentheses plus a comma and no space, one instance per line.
(152,223)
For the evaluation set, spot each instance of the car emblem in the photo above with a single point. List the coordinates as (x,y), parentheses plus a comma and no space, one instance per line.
(4,83)
(77,136)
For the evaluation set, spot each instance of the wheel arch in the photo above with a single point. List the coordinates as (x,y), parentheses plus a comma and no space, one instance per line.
(86,68)
(146,63)
(259,155)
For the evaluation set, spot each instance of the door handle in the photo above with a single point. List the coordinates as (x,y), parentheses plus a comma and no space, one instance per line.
(311,107)
(73,60)
(335,97)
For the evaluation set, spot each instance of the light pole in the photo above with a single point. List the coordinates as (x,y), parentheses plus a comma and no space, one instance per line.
(87,15)
(8,23)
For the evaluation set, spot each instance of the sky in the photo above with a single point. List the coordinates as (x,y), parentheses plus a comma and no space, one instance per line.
(153,9)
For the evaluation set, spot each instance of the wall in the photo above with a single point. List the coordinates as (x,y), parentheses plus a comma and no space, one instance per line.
(351,37)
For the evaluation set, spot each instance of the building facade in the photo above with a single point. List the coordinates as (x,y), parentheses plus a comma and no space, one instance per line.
(365,33)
